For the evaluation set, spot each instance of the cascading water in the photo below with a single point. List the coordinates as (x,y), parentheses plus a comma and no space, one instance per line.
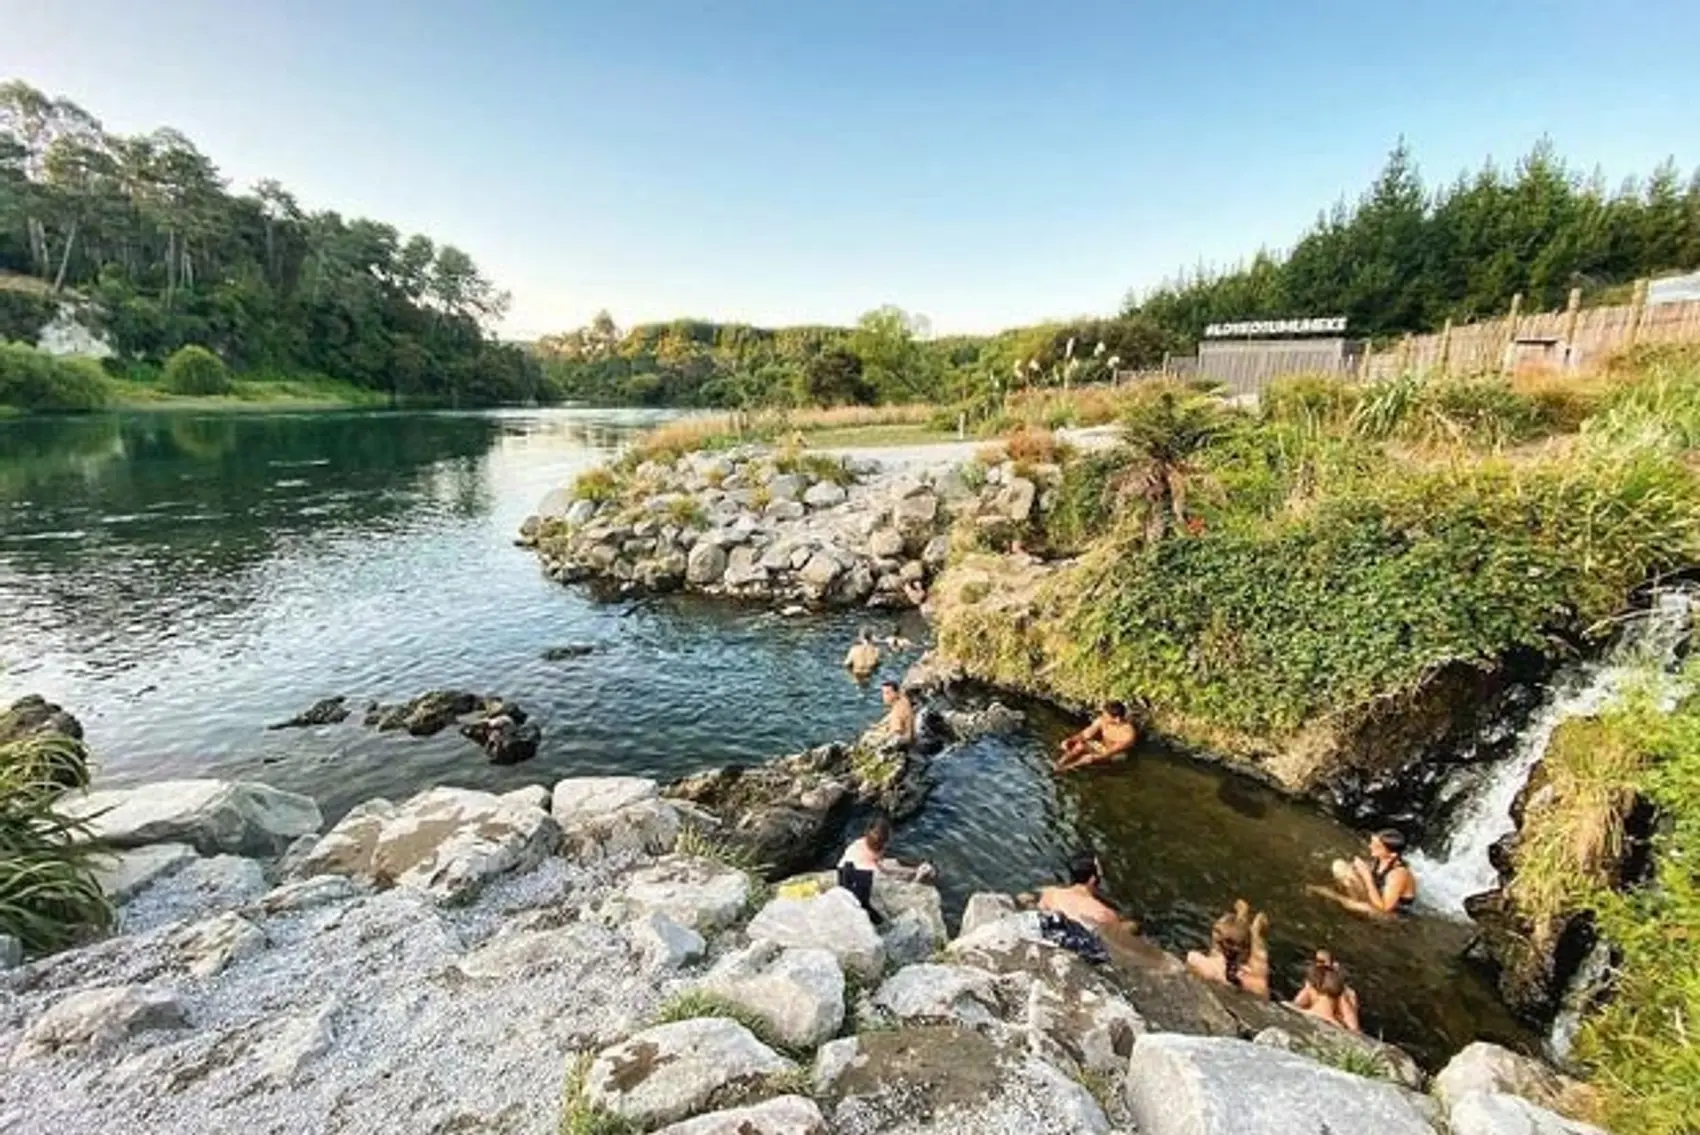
(1648,644)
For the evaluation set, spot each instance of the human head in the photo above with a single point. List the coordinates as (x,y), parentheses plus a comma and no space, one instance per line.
(890,691)
(1116,710)
(1083,869)
(1324,975)
(864,635)
(1388,842)
(878,834)
(1231,935)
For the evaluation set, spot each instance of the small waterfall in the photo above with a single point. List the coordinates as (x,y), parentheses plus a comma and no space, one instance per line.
(1649,641)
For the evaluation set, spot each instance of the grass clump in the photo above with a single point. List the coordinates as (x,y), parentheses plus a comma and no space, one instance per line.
(694,1004)
(33,381)
(686,512)
(196,371)
(49,897)
(578,1116)
(600,484)
(699,843)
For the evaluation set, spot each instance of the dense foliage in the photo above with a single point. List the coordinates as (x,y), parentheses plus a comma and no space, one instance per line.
(48,893)
(142,232)
(195,371)
(34,381)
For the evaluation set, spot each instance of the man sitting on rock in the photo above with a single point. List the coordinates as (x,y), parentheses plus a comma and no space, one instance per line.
(897,728)
(1110,735)
(864,657)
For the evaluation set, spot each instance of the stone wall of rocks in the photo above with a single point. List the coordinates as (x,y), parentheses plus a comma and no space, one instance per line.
(755,524)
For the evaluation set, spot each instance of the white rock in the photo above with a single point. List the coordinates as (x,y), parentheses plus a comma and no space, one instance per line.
(786,487)
(984,909)
(126,872)
(1192,1085)
(1484,1067)
(820,570)
(938,993)
(885,544)
(824,494)
(914,516)
(671,1071)
(1016,499)
(210,945)
(92,1020)
(833,921)
(785,511)
(213,816)
(663,943)
(531,796)
(647,827)
(1499,1113)
(581,512)
(517,953)
(798,993)
(1071,1105)
(305,894)
(784,1115)
(937,552)
(706,564)
(699,894)
(743,568)
(299,1040)
(585,797)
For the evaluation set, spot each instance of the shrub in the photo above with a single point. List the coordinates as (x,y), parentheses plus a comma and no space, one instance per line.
(599,484)
(196,371)
(1481,411)
(49,897)
(33,380)
(1034,445)
(1315,400)
(686,513)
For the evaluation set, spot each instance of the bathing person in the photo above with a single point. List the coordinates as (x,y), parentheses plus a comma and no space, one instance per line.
(1110,735)
(1326,994)
(915,591)
(864,656)
(865,858)
(897,641)
(1239,952)
(1381,886)
(1080,901)
(898,725)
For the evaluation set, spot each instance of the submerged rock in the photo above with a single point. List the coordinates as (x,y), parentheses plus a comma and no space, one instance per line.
(569,651)
(426,714)
(326,711)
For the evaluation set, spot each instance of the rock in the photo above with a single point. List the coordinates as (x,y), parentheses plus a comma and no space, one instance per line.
(797,993)
(743,568)
(580,513)
(32,715)
(517,954)
(647,827)
(672,1071)
(327,711)
(833,921)
(299,1040)
(504,735)
(783,1115)
(785,511)
(11,952)
(531,796)
(787,487)
(696,893)
(909,938)
(937,553)
(993,719)
(1015,500)
(213,816)
(427,714)
(1076,1019)
(584,797)
(663,943)
(92,1020)
(570,650)
(307,894)
(127,872)
(1484,1067)
(1190,1085)
(446,842)
(707,563)
(1499,1113)
(783,813)
(824,494)
(819,571)
(914,518)
(885,544)
(940,994)
(556,503)
(208,947)
(983,909)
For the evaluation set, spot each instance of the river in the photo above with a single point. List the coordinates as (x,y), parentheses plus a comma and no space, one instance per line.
(180,581)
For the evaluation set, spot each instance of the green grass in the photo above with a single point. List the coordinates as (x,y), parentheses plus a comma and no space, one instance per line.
(695,1004)
(303,392)
(873,437)
(578,1117)
(49,898)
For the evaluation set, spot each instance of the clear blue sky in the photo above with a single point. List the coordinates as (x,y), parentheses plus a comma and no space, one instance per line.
(984,163)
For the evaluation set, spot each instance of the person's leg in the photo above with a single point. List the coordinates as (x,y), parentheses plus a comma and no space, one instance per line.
(1347,880)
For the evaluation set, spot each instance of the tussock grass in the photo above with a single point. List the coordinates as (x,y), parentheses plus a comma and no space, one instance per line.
(672,440)
(48,894)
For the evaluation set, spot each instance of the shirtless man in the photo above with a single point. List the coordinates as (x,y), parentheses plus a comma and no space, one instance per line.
(1109,736)
(864,657)
(898,725)
(1079,900)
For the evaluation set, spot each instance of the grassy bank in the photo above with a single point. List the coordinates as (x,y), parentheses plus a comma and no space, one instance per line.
(306,392)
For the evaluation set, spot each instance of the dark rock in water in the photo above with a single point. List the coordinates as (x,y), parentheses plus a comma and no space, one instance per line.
(1531,966)
(326,711)
(504,734)
(33,715)
(569,651)
(426,714)
(992,719)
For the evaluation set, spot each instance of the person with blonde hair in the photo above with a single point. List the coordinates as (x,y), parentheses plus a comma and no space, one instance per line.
(1239,951)
(1326,994)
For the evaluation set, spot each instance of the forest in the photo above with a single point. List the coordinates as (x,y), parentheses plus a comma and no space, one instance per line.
(142,235)
(1400,257)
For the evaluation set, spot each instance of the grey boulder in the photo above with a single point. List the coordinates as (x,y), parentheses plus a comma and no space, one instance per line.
(213,816)
(672,1071)
(797,993)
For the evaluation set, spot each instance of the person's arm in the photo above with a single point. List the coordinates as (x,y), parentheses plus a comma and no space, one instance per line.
(1305,999)
(1349,1011)
(1257,972)
(1198,965)
(850,659)
(1386,899)
(1356,905)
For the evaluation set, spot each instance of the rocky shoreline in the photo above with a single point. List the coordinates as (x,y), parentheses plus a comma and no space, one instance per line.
(581,957)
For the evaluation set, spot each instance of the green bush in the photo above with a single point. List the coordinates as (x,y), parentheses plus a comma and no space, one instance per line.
(48,894)
(24,313)
(196,371)
(1315,400)
(32,380)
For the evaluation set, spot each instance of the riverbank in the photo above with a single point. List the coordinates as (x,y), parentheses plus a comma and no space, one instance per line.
(578,958)
(302,393)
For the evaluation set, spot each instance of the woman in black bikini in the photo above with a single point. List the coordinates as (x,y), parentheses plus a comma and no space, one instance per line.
(1381,886)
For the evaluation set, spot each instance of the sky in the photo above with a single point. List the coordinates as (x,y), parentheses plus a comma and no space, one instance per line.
(985,164)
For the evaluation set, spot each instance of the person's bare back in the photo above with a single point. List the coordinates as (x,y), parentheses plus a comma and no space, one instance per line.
(863,659)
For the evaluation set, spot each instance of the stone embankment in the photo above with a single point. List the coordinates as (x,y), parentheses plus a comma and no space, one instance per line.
(760,524)
(578,958)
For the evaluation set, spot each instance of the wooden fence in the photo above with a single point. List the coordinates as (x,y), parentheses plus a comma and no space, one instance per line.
(1556,340)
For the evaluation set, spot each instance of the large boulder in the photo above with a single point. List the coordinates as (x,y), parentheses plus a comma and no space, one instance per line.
(781,814)
(1193,1085)
(586,797)
(983,909)
(212,816)
(126,873)
(833,921)
(706,564)
(1498,1113)
(1484,1067)
(797,993)
(672,1071)
(783,1115)
(93,1020)
(940,994)
(698,894)
(446,842)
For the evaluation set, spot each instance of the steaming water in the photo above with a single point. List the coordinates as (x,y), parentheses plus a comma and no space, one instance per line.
(1647,646)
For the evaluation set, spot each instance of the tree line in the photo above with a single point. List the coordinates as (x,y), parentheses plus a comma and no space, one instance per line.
(143,235)
(1399,258)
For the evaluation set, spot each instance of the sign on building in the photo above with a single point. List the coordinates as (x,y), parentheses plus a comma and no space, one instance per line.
(1269,328)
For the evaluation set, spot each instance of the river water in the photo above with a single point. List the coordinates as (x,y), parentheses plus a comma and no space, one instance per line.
(181,581)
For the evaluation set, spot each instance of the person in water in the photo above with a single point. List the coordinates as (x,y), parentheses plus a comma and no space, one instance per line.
(1381,886)
(1326,994)
(1081,900)
(898,725)
(864,656)
(865,860)
(1239,951)
(1110,735)
(898,642)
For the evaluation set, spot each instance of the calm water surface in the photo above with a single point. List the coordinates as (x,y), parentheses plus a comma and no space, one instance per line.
(180,581)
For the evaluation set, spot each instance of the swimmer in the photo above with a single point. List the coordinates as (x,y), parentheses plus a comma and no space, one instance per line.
(1381,886)
(864,657)
(1239,952)
(1110,735)
(1080,901)
(1326,994)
